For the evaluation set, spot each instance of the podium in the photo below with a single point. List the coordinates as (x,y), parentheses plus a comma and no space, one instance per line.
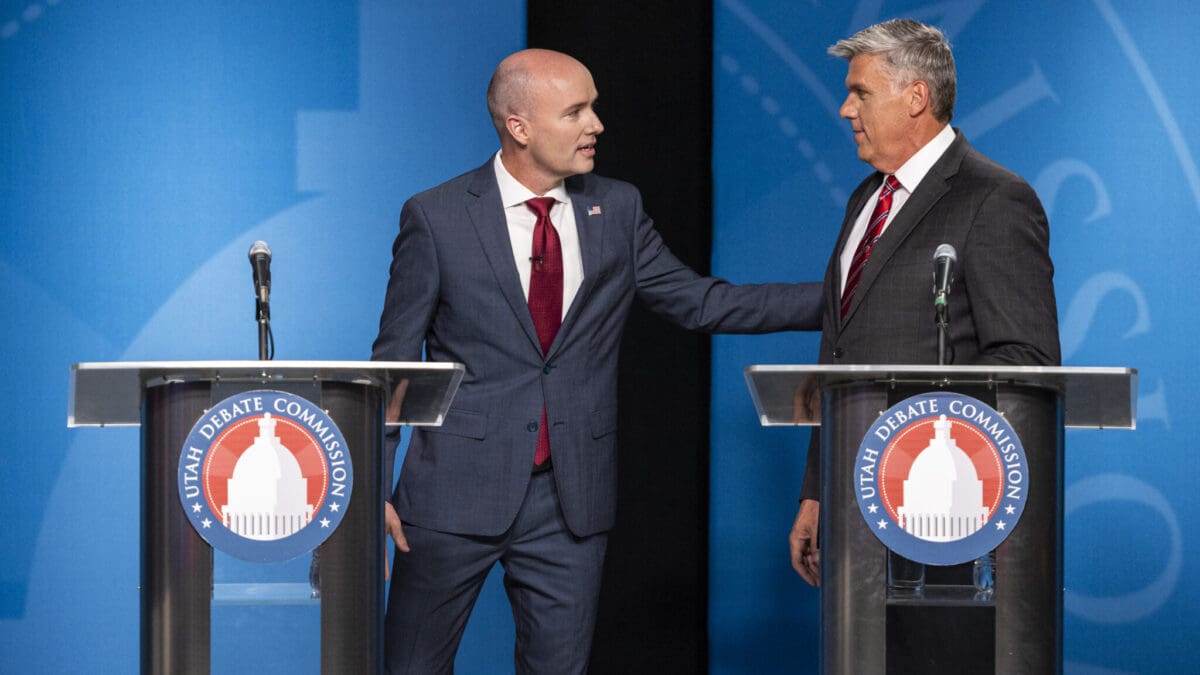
(167,398)
(866,629)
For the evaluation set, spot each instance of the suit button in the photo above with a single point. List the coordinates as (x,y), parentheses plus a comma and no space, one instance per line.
(838,352)
(546,370)
(532,426)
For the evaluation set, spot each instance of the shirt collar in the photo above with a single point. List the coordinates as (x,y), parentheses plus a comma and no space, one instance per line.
(513,193)
(913,171)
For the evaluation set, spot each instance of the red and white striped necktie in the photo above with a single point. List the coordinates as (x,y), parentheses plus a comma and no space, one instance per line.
(874,228)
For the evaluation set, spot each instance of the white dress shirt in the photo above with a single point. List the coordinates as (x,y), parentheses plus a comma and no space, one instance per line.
(521,220)
(909,176)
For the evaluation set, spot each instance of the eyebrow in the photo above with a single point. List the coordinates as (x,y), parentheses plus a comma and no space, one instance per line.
(579,105)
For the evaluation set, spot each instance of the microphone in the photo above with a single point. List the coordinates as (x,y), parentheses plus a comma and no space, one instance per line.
(943,274)
(260,262)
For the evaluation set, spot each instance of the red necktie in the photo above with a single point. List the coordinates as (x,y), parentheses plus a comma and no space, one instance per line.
(874,228)
(545,295)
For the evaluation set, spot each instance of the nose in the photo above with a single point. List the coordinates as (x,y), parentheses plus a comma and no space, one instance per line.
(595,127)
(848,110)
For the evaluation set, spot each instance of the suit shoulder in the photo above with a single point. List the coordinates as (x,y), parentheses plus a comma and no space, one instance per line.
(991,186)
(451,189)
(981,176)
(975,164)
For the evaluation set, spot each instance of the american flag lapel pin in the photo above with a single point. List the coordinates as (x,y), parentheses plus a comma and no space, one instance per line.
(594,210)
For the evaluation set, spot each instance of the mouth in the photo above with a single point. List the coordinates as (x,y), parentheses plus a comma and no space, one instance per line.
(588,150)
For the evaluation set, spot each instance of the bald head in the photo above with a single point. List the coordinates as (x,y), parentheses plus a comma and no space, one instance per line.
(514,86)
(543,106)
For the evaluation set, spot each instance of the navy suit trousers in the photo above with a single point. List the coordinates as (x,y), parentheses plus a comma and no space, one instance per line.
(551,576)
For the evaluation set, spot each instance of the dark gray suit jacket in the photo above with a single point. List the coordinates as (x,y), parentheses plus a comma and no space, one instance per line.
(454,288)
(1002,307)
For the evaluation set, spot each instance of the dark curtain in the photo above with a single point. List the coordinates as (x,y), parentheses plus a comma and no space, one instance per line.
(652,63)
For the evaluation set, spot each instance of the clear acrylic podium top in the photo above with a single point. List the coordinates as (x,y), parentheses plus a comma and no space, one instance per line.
(1093,397)
(110,394)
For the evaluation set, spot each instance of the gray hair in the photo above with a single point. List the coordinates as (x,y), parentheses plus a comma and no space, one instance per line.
(912,51)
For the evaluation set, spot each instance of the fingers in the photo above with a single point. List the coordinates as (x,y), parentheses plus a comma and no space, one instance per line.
(802,542)
(806,401)
(803,559)
(798,562)
(398,536)
(396,402)
(394,528)
(813,562)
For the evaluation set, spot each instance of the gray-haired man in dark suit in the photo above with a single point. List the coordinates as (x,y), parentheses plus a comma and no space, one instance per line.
(901,89)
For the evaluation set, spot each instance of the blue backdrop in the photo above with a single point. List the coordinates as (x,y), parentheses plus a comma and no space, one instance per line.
(145,145)
(1094,103)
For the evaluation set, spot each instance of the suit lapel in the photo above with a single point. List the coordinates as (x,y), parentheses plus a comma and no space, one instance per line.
(589,224)
(833,276)
(486,211)
(932,188)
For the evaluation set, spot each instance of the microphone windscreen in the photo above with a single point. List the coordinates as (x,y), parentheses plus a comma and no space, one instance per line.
(261,247)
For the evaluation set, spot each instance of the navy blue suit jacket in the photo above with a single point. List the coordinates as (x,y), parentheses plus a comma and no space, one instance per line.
(454,288)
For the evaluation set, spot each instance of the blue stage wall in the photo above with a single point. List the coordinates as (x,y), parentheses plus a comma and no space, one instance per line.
(1094,104)
(143,147)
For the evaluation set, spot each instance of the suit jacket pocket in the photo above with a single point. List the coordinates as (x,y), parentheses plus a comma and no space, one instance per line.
(604,421)
(466,423)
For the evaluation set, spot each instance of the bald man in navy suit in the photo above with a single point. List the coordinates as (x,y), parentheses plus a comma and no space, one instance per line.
(476,491)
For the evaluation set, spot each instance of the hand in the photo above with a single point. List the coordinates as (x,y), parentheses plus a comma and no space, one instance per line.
(392,414)
(806,557)
(806,401)
(394,528)
(396,531)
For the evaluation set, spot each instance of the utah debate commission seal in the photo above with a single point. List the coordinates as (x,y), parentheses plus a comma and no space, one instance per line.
(265,476)
(941,478)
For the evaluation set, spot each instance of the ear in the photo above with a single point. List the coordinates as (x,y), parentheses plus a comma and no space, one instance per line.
(518,128)
(918,98)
